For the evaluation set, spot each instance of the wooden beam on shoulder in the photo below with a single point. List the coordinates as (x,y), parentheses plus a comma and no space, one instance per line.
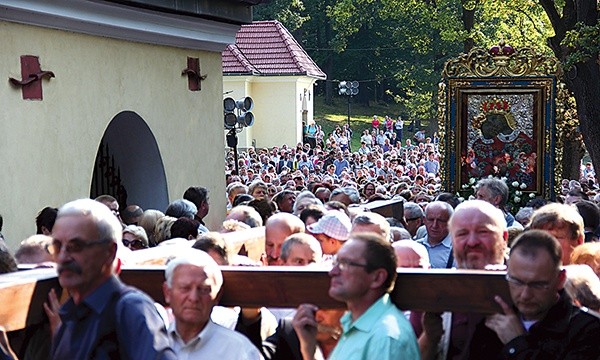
(22,294)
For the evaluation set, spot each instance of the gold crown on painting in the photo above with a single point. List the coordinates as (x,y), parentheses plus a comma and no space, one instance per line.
(495,106)
(502,49)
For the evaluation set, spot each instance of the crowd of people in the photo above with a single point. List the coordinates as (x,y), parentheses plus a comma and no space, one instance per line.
(312,200)
(383,166)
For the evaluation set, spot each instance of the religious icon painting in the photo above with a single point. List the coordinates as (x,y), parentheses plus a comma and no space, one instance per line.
(502,128)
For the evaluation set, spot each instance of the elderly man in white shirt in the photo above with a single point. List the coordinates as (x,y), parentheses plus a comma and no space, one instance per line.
(193,281)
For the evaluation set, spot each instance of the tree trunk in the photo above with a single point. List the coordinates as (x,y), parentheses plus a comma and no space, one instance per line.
(468,18)
(329,83)
(572,154)
(325,42)
(586,88)
(583,79)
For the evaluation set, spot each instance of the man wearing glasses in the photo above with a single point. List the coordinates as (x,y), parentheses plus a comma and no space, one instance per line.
(564,223)
(413,215)
(102,319)
(544,324)
(363,274)
(438,240)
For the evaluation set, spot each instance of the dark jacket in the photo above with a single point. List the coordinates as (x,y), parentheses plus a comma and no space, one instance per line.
(566,332)
(283,344)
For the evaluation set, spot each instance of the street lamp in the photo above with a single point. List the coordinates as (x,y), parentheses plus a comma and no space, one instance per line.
(236,116)
(350,89)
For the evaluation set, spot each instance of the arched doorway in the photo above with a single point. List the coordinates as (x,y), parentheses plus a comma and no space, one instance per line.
(128,164)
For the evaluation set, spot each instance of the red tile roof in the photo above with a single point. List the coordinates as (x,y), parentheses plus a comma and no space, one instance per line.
(266,48)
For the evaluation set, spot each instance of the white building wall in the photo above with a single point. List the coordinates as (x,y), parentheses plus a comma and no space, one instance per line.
(48,148)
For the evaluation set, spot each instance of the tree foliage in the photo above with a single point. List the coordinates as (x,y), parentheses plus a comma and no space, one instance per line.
(576,44)
(291,13)
(396,49)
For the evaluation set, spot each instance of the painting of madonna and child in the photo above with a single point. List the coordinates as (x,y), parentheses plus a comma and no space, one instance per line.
(501,138)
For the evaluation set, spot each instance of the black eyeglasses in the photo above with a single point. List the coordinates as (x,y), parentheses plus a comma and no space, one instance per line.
(74,246)
(343,264)
(534,285)
(413,219)
(136,243)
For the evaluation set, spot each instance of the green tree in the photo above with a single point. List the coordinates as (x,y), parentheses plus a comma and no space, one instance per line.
(397,48)
(291,13)
(576,44)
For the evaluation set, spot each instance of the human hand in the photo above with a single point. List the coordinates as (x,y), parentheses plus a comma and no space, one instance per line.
(305,325)
(430,337)
(51,308)
(263,259)
(432,326)
(507,326)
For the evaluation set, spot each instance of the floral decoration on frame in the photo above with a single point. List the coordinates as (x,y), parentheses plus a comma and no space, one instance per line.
(517,195)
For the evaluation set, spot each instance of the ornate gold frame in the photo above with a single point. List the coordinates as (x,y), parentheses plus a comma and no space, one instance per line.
(501,70)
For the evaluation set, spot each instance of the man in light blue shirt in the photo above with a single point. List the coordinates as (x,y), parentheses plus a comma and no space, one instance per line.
(438,240)
(340,164)
(363,273)
(432,166)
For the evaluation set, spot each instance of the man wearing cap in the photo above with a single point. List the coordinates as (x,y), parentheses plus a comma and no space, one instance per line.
(332,230)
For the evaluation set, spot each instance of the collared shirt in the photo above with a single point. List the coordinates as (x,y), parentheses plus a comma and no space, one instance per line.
(340,165)
(432,166)
(438,253)
(213,342)
(381,333)
(306,163)
(364,150)
(133,329)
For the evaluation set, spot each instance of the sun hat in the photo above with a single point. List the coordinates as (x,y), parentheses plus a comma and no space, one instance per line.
(334,224)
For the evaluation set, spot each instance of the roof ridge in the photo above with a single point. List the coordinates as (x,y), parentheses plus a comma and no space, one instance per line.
(290,42)
(268,48)
(241,57)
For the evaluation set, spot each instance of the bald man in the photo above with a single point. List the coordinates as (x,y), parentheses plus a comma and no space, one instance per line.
(479,236)
(438,240)
(279,226)
(371,222)
(411,254)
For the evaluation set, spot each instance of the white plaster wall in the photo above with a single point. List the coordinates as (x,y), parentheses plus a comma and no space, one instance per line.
(277,107)
(47,148)
(276,117)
